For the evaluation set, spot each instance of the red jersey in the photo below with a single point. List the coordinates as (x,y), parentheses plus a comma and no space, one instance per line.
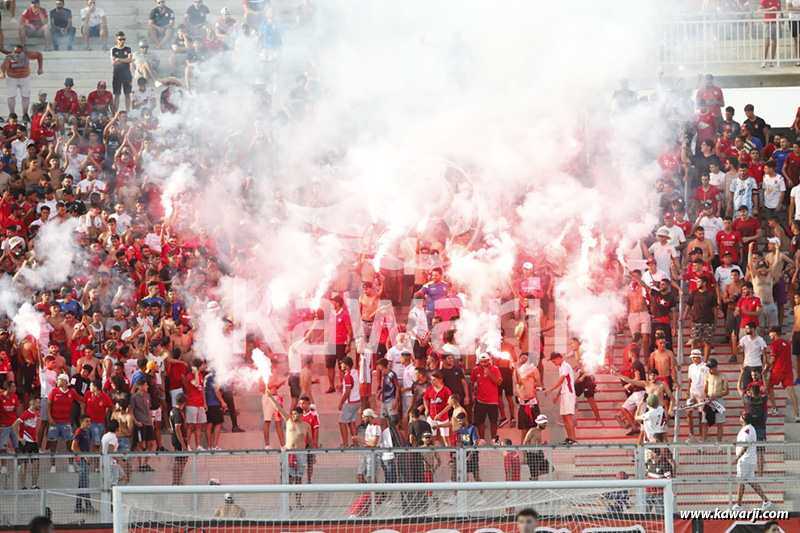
(781,350)
(28,422)
(756,171)
(175,374)
(66,102)
(83,110)
(485,390)
(98,151)
(712,194)
(40,133)
(8,409)
(729,242)
(338,325)
(706,125)
(713,97)
(686,226)
(100,103)
(60,404)
(746,228)
(512,466)
(194,394)
(37,20)
(437,401)
(96,405)
(691,276)
(791,167)
(749,304)
(311,419)
(774,5)
(670,164)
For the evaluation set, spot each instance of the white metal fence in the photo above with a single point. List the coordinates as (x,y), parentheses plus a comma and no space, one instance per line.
(704,477)
(726,38)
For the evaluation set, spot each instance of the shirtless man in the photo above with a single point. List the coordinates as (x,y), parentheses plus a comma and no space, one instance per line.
(228,509)
(307,378)
(731,295)
(269,411)
(368,306)
(298,433)
(537,464)
(638,311)
(528,379)
(715,388)
(183,340)
(651,386)
(664,361)
(700,241)
(88,358)
(764,278)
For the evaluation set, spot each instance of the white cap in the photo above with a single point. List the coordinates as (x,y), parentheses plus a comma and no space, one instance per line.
(528,265)
(484,357)
(369,412)
(663,232)
(541,419)
(774,240)
(696,353)
(65,377)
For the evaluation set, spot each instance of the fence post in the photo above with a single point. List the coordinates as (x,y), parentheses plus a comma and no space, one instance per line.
(194,480)
(106,481)
(639,460)
(461,477)
(283,460)
(15,486)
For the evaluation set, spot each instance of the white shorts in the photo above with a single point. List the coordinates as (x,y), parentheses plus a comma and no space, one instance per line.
(566,404)
(745,470)
(195,415)
(444,431)
(639,322)
(173,393)
(632,401)
(23,84)
(269,411)
(156,414)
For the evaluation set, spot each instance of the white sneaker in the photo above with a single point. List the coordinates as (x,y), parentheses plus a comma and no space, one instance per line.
(736,507)
(773,412)
(797,419)
(690,439)
(53,469)
(777,64)
(71,469)
(766,505)
(158,84)
(763,65)
(4,470)
(599,423)
(797,64)
(200,449)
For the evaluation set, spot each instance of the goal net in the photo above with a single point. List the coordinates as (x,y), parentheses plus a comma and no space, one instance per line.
(611,506)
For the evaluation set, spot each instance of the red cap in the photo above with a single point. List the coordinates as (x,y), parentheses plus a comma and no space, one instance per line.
(101,84)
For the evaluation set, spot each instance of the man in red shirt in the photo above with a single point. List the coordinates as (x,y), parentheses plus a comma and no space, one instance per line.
(791,165)
(705,123)
(66,104)
(712,96)
(100,101)
(770,9)
(338,335)
(728,240)
(748,227)
(34,24)
(485,379)
(706,192)
(59,408)
(195,410)
(435,399)
(779,369)
(748,309)
(44,127)
(25,431)
(9,408)
(311,418)
(97,404)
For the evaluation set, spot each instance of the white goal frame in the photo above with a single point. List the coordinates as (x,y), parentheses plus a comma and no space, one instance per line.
(119,492)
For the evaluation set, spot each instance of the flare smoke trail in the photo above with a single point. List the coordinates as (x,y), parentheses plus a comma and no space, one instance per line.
(488,123)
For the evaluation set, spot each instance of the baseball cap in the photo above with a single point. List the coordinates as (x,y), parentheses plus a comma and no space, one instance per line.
(64,377)
(696,353)
(696,250)
(774,240)
(541,419)
(484,357)
(369,412)
(143,44)
(224,10)
(91,168)
(527,264)
(151,365)
(762,264)
(727,253)
(69,82)
(101,84)
(709,76)
(42,92)
(651,261)
(427,434)
(212,307)
(667,215)
(712,363)
(228,497)
(707,203)
(662,232)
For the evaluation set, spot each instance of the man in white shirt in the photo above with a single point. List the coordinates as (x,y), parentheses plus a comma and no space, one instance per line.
(653,420)
(694,388)
(774,187)
(19,146)
(675,233)
(723,273)
(711,223)
(745,462)
(371,439)
(94,24)
(652,275)
(123,219)
(394,354)
(419,332)
(664,253)
(566,384)
(754,349)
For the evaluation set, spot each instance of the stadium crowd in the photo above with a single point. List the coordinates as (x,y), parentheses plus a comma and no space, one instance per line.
(114,366)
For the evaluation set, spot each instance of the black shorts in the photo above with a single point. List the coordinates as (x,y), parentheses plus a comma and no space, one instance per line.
(214,415)
(145,434)
(122,83)
(795,24)
(94,31)
(294,385)
(537,464)
(586,386)
(796,342)
(507,386)
(481,410)
(332,360)
(472,463)
(526,416)
(28,448)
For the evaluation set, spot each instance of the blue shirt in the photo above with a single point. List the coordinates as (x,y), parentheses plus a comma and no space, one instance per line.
(270,34)
(467,436)
(82,437)
(137,377)
(434,291)
(154,300)
(388,390)
(780,157)
(177,309)
(211,396)
(754,142)
(73,306)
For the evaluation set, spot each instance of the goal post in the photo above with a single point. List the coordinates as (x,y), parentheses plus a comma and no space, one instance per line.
(635,506)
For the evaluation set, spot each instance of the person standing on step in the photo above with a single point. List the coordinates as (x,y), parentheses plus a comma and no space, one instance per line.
(122,80)
(745,462)
(694,387)
(779,371)
(16,69)
(566,395)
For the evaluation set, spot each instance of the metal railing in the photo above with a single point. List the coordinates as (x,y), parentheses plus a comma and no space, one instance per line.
(725,38)
(705,476)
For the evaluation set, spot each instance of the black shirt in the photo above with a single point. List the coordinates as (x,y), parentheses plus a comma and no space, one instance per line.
(756,129)
(195,56)
(176,419)
(122,69)
(661,304)
(417,428)
(757,407)
(703,304)
(60,19)
(638,367)
(452,380)
(197,16)
(703,163)
(162,18)
(417,391)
